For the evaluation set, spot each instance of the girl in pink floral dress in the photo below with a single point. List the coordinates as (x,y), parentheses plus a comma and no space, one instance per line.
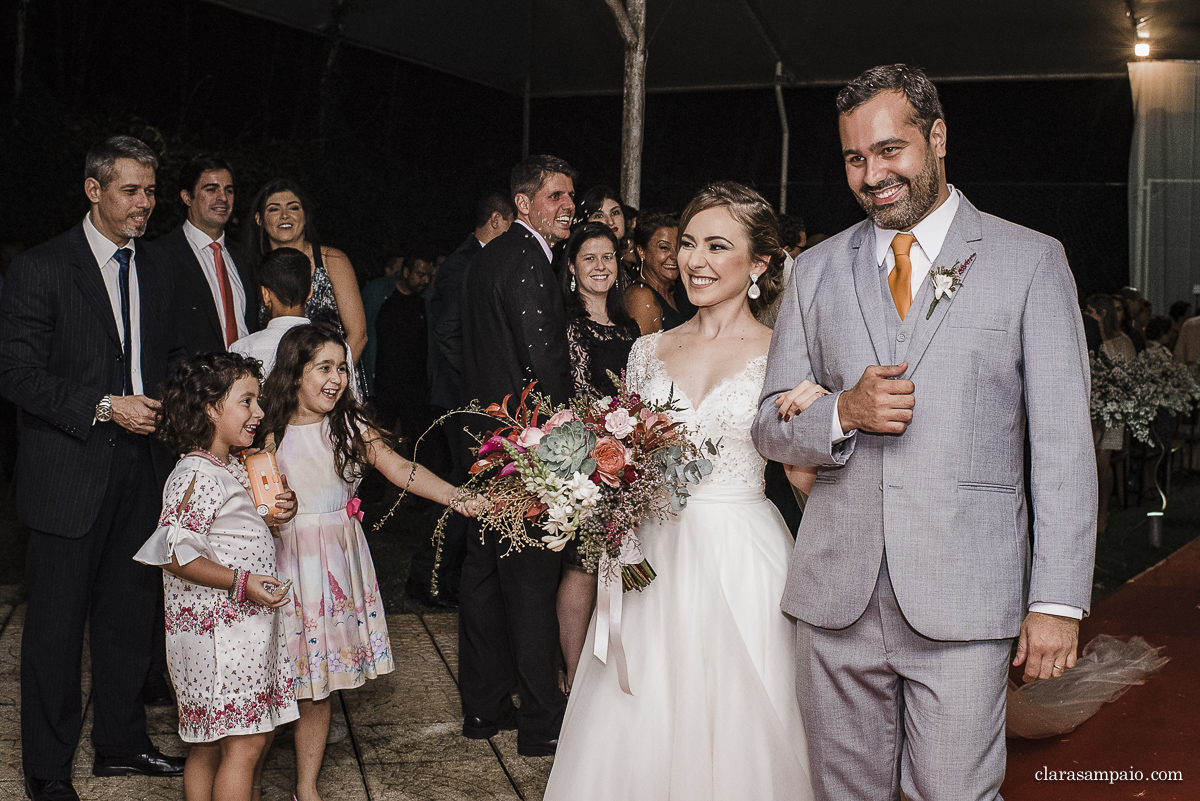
(226,645)
(324,442)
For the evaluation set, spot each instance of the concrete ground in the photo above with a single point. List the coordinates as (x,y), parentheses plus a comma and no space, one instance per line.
(404,743)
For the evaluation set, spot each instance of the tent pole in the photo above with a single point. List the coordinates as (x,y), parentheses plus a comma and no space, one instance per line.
(783,122)
(525,122)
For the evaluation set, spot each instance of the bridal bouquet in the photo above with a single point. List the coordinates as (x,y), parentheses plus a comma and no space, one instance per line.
(588,471)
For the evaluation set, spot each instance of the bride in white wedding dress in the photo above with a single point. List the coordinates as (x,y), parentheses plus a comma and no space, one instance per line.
(714,713)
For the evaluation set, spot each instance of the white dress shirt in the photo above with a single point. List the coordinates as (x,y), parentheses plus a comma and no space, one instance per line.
(104,249)
(200,242)
(262,344)
(541,240)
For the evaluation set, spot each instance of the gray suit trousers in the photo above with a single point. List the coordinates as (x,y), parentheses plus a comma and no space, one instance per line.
(877,694)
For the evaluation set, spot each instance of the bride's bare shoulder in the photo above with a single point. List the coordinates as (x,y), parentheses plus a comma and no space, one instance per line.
(759,339)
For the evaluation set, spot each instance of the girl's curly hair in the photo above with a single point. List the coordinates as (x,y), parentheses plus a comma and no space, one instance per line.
(348,422)
(196,383)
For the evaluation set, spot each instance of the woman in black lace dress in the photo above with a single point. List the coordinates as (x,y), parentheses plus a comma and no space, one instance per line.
(599,330)
(599,336)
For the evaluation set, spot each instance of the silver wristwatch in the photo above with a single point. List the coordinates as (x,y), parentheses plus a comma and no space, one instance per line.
(104,409)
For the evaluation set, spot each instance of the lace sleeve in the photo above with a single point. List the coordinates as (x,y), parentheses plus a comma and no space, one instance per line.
(190,504)
(580,367)
(638,367)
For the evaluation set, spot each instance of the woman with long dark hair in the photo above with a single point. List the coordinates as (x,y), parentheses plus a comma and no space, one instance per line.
(282,216)
(599,336)
(599,330)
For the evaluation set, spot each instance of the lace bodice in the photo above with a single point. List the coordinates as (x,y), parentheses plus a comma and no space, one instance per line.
(724,414)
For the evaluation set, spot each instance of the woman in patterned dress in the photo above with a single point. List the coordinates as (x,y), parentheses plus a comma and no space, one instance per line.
(226,646)
(324,442)
(283,217)
(599,335)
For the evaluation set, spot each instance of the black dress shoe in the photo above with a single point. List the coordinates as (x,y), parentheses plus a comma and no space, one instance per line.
(151,763)
(42,790)
(423,594)
(480,729)
(542,749)
(156,691)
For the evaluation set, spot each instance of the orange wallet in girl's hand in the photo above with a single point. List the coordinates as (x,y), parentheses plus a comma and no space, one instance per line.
(264,482)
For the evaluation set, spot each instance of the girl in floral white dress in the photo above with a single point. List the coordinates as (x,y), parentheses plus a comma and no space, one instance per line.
(323,443)
(226,646)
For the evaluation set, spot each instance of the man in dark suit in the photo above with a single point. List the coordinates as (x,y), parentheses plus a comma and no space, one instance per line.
(85,339)
(514,332)
(216,293)
(493,217)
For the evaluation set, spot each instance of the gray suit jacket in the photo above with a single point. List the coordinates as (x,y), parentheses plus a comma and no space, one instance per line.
(947,498)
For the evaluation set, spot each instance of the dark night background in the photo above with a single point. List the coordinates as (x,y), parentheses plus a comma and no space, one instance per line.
(409,150)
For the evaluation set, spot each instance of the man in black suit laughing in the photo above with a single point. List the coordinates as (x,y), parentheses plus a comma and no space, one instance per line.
(514,332)
(85,340)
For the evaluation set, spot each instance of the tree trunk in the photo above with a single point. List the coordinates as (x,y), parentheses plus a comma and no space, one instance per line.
(630,16)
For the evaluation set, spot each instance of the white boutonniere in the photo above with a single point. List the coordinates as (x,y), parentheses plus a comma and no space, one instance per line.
(946,281)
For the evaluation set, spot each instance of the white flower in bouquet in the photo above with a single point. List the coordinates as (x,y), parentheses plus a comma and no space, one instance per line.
(559,519)
(583,490)
(619,423)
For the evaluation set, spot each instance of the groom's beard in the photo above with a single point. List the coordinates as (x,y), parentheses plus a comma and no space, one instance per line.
(903,214)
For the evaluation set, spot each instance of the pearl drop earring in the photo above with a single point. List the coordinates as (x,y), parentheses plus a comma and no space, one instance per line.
(753,292)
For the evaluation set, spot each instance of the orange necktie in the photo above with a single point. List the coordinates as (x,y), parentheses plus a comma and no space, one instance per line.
(231,331)
(900,280)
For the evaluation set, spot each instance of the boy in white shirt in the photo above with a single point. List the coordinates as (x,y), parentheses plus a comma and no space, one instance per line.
(285,276)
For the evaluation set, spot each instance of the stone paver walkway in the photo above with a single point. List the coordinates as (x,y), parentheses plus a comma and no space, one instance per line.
(404,732)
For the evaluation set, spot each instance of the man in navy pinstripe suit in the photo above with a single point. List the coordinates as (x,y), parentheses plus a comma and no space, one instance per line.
(85,339)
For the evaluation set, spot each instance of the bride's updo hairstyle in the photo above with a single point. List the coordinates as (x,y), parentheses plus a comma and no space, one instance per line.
(758,222)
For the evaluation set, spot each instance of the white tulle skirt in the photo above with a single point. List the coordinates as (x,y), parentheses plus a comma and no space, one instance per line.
(711,664)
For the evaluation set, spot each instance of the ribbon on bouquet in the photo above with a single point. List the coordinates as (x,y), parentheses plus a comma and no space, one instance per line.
(609,592)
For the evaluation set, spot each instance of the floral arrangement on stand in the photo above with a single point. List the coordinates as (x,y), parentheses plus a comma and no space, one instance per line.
(1133,393)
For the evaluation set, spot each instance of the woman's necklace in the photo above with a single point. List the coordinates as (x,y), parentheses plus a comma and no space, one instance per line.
(234,466)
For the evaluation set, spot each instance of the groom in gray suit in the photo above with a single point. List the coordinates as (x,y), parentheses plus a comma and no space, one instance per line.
(945,336)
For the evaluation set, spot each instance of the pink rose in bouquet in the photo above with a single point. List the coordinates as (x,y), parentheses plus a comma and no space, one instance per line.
(530,438)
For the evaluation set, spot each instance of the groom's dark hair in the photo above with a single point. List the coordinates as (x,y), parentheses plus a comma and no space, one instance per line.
(920,92)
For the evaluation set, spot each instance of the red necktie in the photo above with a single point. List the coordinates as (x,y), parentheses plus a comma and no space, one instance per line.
(231,331)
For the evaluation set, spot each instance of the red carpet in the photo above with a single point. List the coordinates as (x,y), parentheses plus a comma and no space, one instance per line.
(1152,727)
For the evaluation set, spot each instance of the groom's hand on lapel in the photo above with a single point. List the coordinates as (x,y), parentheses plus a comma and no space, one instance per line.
(1047,645)
(880,403)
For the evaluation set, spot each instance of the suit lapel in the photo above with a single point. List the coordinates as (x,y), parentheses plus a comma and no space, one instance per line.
(866,286)
(962,240)
(91,283)
(197,284)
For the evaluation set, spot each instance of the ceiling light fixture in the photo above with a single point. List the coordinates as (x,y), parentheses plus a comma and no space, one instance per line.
(1141,49)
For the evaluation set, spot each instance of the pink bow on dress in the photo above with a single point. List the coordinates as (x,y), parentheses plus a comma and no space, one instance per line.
(354,508)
